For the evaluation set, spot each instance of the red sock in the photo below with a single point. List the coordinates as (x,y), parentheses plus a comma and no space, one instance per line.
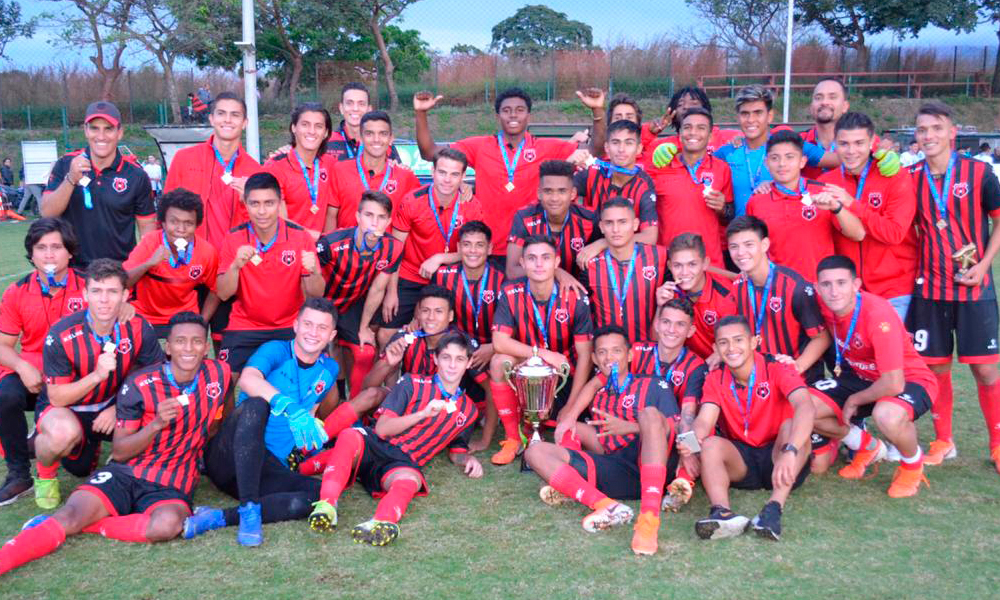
(127,528)
(652,478)
(339,465)
(31,544)
(567,481)
(393,505)
(340,419)
(866,440)
(989,402)
(942,409)
(49,472)
(315,464)
(364,360)
(682,473)
(507,409)
(569,442)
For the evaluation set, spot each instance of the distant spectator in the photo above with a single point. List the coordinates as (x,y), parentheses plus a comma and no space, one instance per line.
(985,153)
(912,156)
(7,172)
(205,95)
(155,171)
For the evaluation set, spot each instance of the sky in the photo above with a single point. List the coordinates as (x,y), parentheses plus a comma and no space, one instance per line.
(444,23)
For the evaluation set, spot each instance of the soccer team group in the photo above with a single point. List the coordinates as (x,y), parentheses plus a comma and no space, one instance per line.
(731,307)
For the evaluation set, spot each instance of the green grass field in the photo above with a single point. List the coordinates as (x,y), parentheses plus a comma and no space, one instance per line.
(493,538)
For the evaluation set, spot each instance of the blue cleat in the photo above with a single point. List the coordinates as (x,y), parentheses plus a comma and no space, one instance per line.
(250,533)
(203,520)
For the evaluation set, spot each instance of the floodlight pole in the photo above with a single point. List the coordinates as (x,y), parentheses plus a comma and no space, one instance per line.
(785,106)
(248,45)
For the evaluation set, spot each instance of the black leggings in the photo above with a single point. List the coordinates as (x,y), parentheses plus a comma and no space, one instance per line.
(239,464)
(15,399)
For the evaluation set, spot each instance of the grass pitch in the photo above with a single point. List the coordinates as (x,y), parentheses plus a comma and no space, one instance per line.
(493,538)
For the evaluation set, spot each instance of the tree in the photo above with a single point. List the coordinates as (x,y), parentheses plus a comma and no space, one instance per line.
(849,22)
(535,30)
(737,24)
(409,53)
(988,12)
(11,25)
(466,49)
(378,14)
(99,29)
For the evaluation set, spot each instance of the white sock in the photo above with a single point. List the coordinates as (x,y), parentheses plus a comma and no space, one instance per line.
(853,438)
(911,460)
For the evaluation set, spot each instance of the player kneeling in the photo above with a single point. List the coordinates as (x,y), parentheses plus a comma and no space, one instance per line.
(628,459)
(164,412)
(421,417)
(758,446)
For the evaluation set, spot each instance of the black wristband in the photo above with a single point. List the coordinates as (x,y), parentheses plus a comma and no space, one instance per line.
(790,448)
(840,207)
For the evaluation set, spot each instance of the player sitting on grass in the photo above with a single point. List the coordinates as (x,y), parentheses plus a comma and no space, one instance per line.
(629,450)
(143,494)
(421,417)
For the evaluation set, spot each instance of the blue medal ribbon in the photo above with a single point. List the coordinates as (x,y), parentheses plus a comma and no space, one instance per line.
(754,176)
(477,305)
(363,247)
(189,389)
(613,380)
(347,144)
(941,199)
(790,192)
(607,168)
(450,398)
(52,283)
(437,217)
(693,171)
(841,347)
(609,261)
(543,325)
(182,258)
(104,339)
(759,314)
(226,167)
(364,178)
(262,248)
(861,179)
(88,200)
(677,361)
(510,166)
(312,186)
(745,410)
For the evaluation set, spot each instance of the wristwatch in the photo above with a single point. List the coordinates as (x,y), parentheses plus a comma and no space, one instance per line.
(790,448)
(839,208)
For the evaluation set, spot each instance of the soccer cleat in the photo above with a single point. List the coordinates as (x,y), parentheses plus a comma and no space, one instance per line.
(34,521)
(906,482)
(940,451)
(250,532)
(509,450)
(678,494)
(15,487)
(324,517)
(767,524)
(47,493)
(995,457)
(295,458)
(644,538)
(611,514)
(375,533)
(552,496)
(862,460)
(203,520)
(721,523)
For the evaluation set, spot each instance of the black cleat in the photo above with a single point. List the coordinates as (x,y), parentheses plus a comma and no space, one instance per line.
(768,523)
(721,523)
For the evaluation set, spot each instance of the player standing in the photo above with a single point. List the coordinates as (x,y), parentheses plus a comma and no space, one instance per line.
(829,102)
(346,140)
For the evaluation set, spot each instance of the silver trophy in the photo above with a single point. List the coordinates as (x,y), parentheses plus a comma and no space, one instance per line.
(536,384)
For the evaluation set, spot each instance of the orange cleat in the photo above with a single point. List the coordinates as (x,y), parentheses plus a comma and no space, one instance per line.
(906,482)
(940,451)
(995,455)
(862,459)
(10,214)
(509,450)
(644,542)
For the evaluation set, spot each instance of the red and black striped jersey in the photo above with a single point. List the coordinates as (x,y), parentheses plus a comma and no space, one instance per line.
(579,229)
(801,235)
(418,358)
(638,393)
(686,374)
(483,292)
(637,279)
(974,198)
(431,435)
(30,307)
(71,352)
(342,147)
(755,419)
(716,300)
(348,271)
(594,187)
(565,319)
(171,458)
(788,316)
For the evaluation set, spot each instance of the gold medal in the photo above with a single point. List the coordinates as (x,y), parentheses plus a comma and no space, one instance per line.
(314,209)
(227,178)
(255,260)
(941,224)
(109,347)
(836,371)
(807,199)
(84,181)
(510,186)
(183,399)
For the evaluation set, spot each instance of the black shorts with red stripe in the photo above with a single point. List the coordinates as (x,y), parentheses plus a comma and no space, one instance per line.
(83,459)
(379,459)
(759,461)
(616,474)
(408,293)
(935,325)
(122,493)
(835,392)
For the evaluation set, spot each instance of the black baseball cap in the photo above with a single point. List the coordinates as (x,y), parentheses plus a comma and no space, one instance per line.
(103,110)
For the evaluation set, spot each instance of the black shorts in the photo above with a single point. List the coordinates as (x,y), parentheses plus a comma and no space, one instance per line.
(760,465)
(835,393)
(349,323)
(616,475)
(162,331)
(12,391)
(934,325)
(379,458)
(409,293)
(122,493)
(83,459)
(239,346)
(220,318)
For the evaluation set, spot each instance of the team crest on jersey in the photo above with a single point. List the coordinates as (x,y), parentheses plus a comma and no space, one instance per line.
(322,175)
(763,390)
(649,273)
(708,179)
(120,184)
(224,355)
(710,317)
(775,304)
(677,377)
(529,155)
(214,389)
(488,296)
(562,315)
(808,212)
(857,342)
(875,199)
(576,244)
(319,386)
(460,419)
(390,186)
(195,271)
(628,401)
(381,265)
(75,304)
(288,257)
(124,345)
(960,190)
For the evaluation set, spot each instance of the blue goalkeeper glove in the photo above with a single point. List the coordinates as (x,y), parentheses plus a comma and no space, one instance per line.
(306,432)
(280,404)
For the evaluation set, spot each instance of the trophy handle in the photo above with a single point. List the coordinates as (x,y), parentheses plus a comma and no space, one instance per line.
(564,375)
(508,370)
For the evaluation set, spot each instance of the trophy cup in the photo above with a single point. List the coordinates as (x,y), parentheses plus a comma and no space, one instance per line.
(536,384)
(965,257)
